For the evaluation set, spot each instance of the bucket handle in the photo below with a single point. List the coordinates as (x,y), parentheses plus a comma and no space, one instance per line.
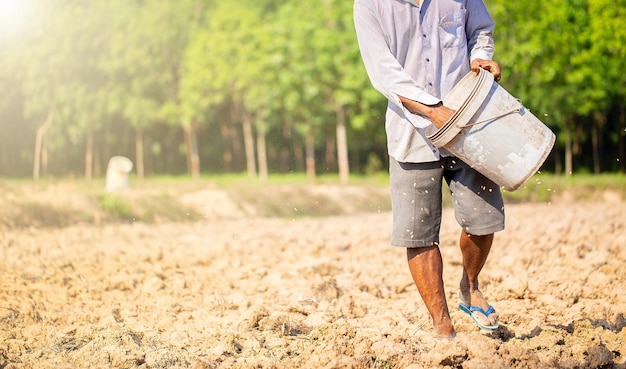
(515,110)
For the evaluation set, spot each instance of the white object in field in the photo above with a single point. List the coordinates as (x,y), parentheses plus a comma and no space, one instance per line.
(117,174)
(492,132)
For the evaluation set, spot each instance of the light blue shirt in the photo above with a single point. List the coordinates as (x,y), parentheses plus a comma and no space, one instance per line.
(419,52)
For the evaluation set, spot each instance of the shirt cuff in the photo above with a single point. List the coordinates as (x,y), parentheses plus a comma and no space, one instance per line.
(428,99)
(418,95)
(480,54)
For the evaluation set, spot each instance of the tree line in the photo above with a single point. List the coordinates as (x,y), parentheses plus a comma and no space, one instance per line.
(198,86)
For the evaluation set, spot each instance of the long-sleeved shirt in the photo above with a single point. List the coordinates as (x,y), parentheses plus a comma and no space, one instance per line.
(419,52)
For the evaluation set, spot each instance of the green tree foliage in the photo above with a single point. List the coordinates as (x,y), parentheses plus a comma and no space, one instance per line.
(143,77)
(565,60)
(258,86)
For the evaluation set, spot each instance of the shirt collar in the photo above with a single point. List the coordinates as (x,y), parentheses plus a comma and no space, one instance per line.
(412,2)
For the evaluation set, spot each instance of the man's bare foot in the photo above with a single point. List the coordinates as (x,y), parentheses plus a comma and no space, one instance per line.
(476,298)
(444,329)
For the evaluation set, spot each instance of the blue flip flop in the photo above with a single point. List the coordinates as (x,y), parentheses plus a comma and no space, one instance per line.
(472,310)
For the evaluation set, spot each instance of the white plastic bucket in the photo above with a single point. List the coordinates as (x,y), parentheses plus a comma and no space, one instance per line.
(492,132)
(117,174)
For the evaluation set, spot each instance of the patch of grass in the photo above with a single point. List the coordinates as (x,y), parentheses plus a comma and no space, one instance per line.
(536,189)
(148,206)
(545,187)
(115,206)
(284,201)
(164,206)
(60,203)
(33,214)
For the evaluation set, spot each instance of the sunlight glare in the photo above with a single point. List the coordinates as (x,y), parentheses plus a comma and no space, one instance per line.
(13,13)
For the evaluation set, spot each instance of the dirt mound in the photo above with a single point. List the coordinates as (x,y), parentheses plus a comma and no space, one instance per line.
(250,292)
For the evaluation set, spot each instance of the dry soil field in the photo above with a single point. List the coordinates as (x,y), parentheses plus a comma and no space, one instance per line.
(241,291)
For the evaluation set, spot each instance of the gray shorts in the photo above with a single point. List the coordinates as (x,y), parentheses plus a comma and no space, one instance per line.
(416,201)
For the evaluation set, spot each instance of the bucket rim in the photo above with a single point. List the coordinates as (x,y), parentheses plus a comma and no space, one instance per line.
(470,105)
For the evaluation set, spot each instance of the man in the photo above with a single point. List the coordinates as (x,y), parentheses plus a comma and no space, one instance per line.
(414,53)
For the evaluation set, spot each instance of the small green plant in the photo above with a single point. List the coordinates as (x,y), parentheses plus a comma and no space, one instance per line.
(115,206)
(382,364)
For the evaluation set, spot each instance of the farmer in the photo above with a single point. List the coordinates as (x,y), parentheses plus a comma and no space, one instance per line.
(414,52)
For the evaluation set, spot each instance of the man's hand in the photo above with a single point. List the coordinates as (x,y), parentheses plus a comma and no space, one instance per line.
(488,65)
(438,114)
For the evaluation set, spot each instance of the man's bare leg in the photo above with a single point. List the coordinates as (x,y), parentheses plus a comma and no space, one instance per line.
(426,268)
(475,250)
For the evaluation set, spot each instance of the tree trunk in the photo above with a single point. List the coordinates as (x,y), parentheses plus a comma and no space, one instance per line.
(298,157)
(598,122)
(41,131)
(44,160)
(89,154)
(310,153)
(139,153)
(97,164)
(594,148)
(330,151)
(248,141)
(342,146)
(227,155)
(232,131)
(193,158)
(568,150)
(621,137)
(262,150)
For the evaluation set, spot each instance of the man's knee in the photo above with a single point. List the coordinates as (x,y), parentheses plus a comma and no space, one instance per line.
(412,252)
